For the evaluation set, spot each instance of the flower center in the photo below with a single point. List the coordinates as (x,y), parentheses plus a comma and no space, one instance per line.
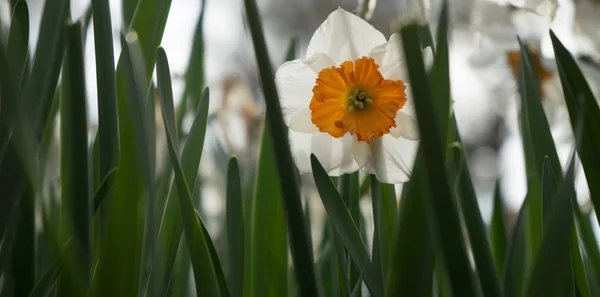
(358,100)
(355,98)
(514,59)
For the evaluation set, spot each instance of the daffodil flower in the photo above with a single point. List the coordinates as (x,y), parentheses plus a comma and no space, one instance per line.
(348,102)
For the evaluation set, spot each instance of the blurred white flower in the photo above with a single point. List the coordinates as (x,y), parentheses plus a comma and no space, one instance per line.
(347,101)
(541,7)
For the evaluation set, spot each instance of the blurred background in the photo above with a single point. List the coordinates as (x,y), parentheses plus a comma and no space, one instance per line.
(483,63)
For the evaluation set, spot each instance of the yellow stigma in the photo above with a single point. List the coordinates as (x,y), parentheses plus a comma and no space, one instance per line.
(355,98)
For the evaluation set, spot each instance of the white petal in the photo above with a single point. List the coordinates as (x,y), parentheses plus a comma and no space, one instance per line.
(409,106)
(406,126)
(301,122)
(344,37)
(295,80)
(390,58)
(335,154)
(300,147)
(390,159)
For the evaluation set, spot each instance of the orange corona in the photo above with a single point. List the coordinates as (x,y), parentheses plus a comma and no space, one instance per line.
(355,98)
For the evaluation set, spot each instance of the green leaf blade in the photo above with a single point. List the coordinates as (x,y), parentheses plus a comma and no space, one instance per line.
(345,227)
(300,242)
(235,228)
(205,276)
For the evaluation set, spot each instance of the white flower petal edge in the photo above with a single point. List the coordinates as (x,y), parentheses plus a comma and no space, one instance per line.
(344,37)
(391,159)
(335,154)
(295,80)
(301,121)
(390,58)
(406,126)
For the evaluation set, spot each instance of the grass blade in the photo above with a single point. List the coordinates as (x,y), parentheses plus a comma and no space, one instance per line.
(40,86)
(498,232)
(204,273)
(440,200)
(299,239)
(588,239)
(171,227)
(44,286)
(384,213)
(579,270)
(149,22)
(216,262)
(345,227)
(235,228)
(75,195)
(579,97)
(549,192)
(551,271)
(351,194)
(18,44)
(410,272)
(118,272)
(266,262)
(537,143)
(194,75)
(128,7)
(517,261)
(108,130)
(476,230)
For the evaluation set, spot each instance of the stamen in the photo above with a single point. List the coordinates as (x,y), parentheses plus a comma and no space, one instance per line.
(362,95)
(360,105)
(350,108)
(369,101)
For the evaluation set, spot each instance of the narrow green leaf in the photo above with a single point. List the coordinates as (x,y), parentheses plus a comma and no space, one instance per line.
(235,228)
(551,270)
(549,192)
(579,270)
(194,75)
(105,187)
(384,214)
(18,44)
(44,286)
(351,195)
(216,262)
(537,144)
(149,22)
(171,227)
(267,259)
(498,232)
(8,241)
(410,272)
(299,239)
(517,261)
(117,273)
(446,216)
(24,268)
(341,266)
(128,8)
(440,73)
(476,230)
(204,273)
(579,97)
(40,86)
(75,195)
(344,226)
(588,239)
(108,130)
